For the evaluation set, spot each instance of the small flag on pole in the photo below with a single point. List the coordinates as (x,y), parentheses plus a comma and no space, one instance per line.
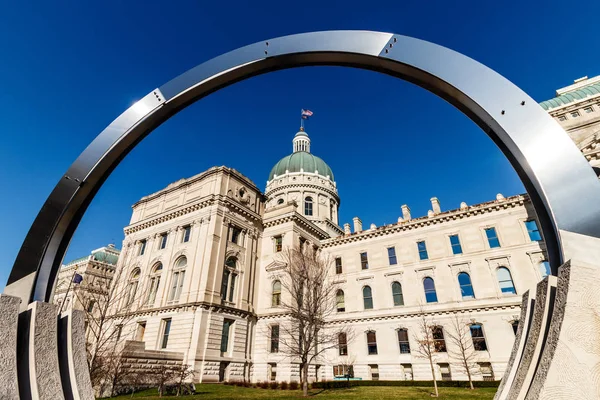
(77,278)
(305,114)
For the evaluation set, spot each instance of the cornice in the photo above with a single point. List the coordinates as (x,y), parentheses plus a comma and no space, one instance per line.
(213,199)
(308,185)
(192,306)
(300,220)
(411,314)
(177,185)
(447,216)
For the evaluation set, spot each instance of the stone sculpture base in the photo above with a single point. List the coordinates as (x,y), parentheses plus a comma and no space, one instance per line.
(556,355)
(42,356)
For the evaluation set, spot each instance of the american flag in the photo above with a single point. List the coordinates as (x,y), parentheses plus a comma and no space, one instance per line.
(306,113)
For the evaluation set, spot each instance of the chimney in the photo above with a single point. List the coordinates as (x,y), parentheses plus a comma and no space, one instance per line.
(435,205)
(430,214)
(463,206)
(357,224)
(405,212)
(347,229)
(373,227)
(499,197)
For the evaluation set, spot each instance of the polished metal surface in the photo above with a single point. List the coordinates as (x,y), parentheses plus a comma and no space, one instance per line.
(562,185)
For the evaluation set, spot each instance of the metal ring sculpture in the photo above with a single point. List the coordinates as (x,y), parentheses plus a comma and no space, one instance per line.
(563,187)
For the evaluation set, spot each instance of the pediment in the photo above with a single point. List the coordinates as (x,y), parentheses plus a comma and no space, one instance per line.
(275,266)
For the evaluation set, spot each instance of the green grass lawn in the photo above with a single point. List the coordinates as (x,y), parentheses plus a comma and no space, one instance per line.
(219,392)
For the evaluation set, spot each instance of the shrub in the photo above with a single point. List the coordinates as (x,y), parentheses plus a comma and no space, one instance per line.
(247,384)
(283,385)
(273,385)
(294,385)
(239,383)
(264,385)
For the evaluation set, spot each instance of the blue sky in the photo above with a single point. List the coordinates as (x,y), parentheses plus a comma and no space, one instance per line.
(69,68)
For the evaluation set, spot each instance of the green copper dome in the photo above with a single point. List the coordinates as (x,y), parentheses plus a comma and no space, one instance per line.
(301,160)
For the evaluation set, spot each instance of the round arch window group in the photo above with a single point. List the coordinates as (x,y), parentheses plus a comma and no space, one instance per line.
(148,296)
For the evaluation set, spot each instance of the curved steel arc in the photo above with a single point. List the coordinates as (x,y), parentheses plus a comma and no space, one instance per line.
(561,183)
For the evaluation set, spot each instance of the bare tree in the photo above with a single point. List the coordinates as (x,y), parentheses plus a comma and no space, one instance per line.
(163,375)
(182,373)
(427,346)
(462,349)
(108,305)
(308,299)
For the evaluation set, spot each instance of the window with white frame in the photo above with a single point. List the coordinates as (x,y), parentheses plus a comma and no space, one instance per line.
(178,278)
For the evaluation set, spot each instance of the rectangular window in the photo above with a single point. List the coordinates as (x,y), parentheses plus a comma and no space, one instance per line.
(225,284)
(479,343)
(486,371)
(274,338)
(142,247)
(374,370)
(364,260)
(165,333)
(533,231)
(343,344)
(346,371)
(492,237)
(176,285)
(236,235)
(408,373)
(338,265)
(575,114)
(225,335)
(272,371)
(562,117)
(232,287)
(439,343)
(119,330)
(445,371)
(371,343)
(278,243)
(403,341)
(90,306)
(187,230)
(422,247)
(141,329)
(163,241)
(455,244)
(588,110)
(392,255)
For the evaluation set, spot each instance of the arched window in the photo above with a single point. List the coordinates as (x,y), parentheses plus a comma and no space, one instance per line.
(545,268)
(479,343)
(154,283)
(367,298)
(466,288)
(178,277)
(308,206)
(276,296)
(430,293)
(132,286)
(231,262)
(505,280)
(229,278)
(397,294)
(340,301)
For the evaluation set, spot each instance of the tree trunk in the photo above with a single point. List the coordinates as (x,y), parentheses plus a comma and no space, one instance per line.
(435,388)
(305,381)
(470,379)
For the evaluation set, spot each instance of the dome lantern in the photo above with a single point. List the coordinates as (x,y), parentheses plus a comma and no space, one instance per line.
(301,141)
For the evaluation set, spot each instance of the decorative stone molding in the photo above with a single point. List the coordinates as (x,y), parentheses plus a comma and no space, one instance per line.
(416,223)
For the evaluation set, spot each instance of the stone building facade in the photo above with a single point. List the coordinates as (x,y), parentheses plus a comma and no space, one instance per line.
(96,272)
(200,260)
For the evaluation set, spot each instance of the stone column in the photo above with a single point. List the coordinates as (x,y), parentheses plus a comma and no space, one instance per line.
(9,318)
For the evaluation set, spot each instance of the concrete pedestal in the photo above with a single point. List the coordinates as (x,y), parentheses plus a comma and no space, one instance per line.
(9,318)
